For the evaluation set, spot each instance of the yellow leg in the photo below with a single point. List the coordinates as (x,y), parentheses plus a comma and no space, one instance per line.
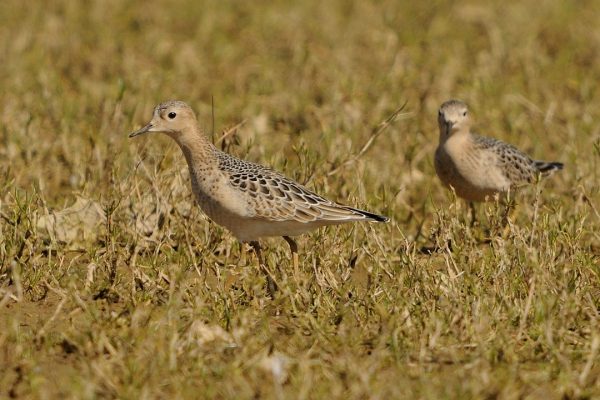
(271,285)
(506,219)
(243,254)
(473,213)
(294,249)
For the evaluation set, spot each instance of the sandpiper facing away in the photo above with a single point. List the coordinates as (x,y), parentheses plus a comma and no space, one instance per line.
(479,168)
(250,200)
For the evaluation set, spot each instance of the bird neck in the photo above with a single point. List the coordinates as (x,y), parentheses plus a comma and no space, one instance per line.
(199,152)
(457,135)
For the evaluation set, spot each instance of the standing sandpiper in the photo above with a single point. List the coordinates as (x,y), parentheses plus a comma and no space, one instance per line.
(478,168)
(250,200)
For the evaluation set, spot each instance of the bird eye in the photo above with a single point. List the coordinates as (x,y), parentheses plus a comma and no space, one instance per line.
(465,114)
(172,115)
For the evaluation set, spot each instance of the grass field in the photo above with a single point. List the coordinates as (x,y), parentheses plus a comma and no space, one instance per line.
(114,285)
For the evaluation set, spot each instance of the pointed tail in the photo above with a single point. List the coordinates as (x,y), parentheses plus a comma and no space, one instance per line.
(374,217)
(547,168)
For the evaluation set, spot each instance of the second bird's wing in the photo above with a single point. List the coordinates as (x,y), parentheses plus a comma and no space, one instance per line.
(517,166)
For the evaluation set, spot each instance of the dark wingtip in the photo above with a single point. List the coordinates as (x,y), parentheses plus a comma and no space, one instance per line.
(380,218)
(548,166)
(374,217)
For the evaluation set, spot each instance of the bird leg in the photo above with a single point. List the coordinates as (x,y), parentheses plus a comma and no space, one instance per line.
(473,213)
(294,249)
(243,253)
(271,285)
(509,207)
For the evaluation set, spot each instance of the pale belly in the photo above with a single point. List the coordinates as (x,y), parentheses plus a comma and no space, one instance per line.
(247,229)
(472,177)
(224,206)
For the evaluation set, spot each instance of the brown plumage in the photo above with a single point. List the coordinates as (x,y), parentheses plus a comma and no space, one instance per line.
(250,200)
(477,167)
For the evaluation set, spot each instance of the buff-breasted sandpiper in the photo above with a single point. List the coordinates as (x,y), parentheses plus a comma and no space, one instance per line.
(250,200)
(479,168)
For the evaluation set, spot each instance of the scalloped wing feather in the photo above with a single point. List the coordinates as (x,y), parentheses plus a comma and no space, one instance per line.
(517,166)
(274,197)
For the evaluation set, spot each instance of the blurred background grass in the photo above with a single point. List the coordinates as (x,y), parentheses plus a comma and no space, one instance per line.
(156,304)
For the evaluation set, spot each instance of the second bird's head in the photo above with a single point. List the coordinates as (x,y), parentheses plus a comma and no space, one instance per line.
(453,117)
(172,118)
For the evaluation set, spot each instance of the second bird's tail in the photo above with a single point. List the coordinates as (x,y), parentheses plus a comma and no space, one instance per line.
(548,167)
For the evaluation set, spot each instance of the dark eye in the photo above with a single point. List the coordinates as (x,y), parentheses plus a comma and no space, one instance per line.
(465,114)
(172,115)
